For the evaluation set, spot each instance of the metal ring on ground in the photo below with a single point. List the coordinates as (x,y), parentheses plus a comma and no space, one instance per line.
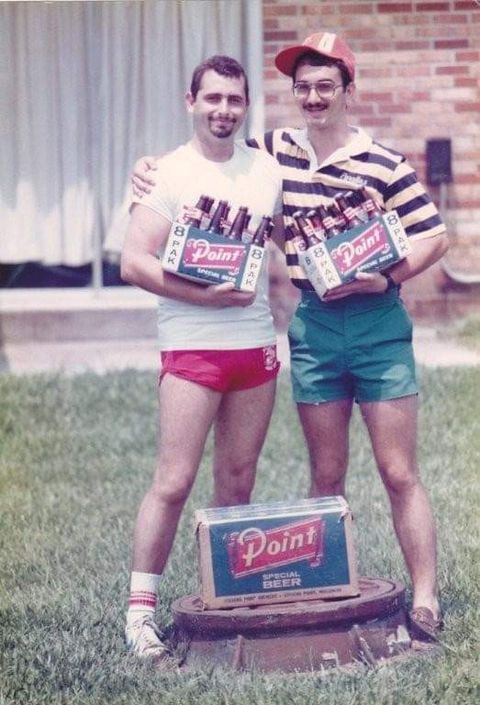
(299,636)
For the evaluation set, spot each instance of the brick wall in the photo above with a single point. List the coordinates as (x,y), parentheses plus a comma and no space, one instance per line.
(418,68)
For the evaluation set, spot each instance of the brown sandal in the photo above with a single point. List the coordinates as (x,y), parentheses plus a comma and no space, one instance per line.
(423,625)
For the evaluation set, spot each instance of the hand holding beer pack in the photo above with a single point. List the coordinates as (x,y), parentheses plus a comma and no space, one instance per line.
(222,295)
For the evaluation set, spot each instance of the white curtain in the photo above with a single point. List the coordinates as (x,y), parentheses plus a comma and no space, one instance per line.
(86,88)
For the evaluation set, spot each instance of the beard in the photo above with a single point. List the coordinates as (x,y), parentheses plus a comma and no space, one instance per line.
(222,128)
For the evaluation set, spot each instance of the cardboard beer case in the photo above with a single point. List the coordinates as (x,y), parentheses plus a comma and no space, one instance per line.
(370,247)
(208,258)
(279,552)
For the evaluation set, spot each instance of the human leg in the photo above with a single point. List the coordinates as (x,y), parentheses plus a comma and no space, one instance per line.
(187,411)
(325,427)
(183,405)
(240,429)
(392,426)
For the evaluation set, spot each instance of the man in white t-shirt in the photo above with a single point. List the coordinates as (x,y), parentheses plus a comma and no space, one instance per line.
(218,345)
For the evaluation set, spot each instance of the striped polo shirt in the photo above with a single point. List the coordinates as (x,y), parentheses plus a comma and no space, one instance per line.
(385,174)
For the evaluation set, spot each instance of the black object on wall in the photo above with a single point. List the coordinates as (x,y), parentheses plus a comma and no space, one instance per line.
(38,275)
(439,161)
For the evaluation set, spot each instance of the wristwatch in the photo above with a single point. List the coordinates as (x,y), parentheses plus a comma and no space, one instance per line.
(391,284)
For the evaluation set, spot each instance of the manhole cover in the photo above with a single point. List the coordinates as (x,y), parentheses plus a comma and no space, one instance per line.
(298,636)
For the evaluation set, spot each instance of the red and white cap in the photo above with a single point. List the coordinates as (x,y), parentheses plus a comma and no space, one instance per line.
(322,43)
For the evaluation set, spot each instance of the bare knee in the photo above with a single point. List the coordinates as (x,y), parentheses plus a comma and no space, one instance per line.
(172,490)
(328,479)
(400,480)
(234,497)
(234,483)
(327,487)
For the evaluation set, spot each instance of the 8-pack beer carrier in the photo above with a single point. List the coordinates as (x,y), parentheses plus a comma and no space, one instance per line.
(277,552)
(209,250)
(350,236)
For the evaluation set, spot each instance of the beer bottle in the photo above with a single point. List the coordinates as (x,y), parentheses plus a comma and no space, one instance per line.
(208,207)
(305,228)
(203,207)
(357,202)
(328,221)
(371,206)
(239,224)
(317,225)
(340,220)
(220,215)
(348,211)
(263,231)
(299,240)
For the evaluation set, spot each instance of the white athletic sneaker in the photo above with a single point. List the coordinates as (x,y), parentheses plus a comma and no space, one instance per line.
(144,639)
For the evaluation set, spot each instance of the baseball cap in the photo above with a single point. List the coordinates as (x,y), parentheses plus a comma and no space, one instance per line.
(322,43)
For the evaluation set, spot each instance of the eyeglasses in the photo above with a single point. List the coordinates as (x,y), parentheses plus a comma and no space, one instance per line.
(324,89)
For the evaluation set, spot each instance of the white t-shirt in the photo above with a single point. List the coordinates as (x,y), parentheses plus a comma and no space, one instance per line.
(250,178)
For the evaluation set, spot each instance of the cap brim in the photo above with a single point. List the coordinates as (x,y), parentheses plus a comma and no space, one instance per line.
(285,60)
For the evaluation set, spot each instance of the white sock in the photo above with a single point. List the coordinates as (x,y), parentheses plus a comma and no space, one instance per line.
(143,596)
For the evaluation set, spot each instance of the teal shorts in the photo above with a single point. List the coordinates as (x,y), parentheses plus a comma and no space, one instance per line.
(357,348)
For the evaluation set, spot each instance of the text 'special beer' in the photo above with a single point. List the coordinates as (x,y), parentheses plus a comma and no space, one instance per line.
(263,231)
(219,217)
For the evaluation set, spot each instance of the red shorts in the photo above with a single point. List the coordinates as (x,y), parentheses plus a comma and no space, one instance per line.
(223,370)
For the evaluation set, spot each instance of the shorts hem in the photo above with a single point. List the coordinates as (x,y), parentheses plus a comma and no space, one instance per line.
(201,383)
(217,388)
(391,397)
(363,400)
(320,401)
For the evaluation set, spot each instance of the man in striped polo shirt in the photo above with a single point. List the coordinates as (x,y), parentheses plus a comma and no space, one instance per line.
(356,343)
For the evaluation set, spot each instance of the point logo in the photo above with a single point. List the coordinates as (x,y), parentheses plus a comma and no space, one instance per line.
(349,255)
(201,253)
(254,550)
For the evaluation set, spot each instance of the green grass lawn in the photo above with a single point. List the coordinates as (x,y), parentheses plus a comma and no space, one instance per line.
(467,331)
(76,455)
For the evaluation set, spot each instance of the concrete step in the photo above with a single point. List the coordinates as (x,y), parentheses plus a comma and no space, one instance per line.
(74,330)
(76,314)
